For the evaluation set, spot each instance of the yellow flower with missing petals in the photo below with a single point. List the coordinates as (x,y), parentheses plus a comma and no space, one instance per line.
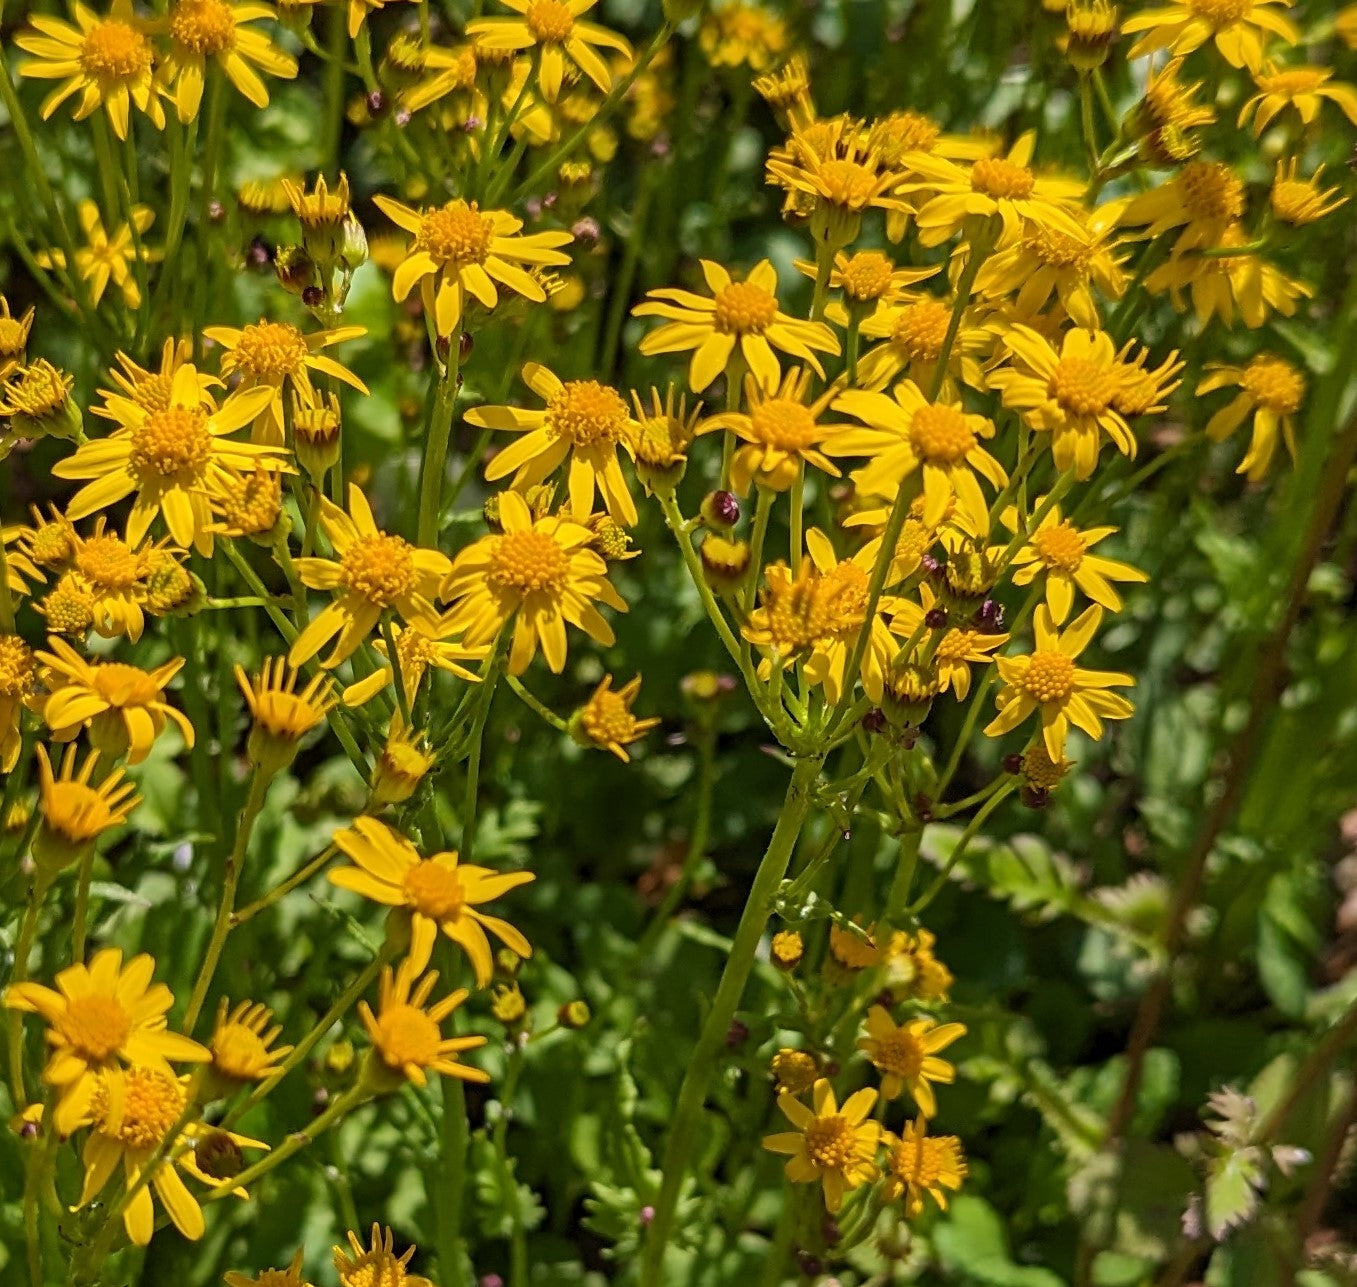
(1059,551)
(420,643)
(913,330)
(170,457)
(101,1016)
(154,390)
(606,721)
(1300,201)
(376,1265)
(743,314)
(460,250)
(540,571)
(834,1145)
(289,1277)
(918,1163)
(437,893)
(583,422)
(907,1055)
(110,61)
(1303,89)
(123,706)
(552,28)
(1204,199)
(281,716)
(405,1032)
(115,577)
(74,813)
(242,1043)
(1272,391)
(373,572)
(1240,28)
(14,333)
(104,258)
(1048,682)
(944,655)
(218,29)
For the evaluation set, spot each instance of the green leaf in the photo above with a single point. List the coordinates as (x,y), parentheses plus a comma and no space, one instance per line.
(1234,1182)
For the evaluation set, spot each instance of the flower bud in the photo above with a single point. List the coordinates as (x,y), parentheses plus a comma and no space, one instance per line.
(720,510)
(787,949)
(724,561)
(574,1014)
(294,268)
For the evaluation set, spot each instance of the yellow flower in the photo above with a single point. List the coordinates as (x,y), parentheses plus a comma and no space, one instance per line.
(74,813)
(787,92)
(540,571)
(912,967)
(358,11)
(1240,28)
(946,655)
(1300,201)
(1171,105)
(1204,198)
(242,1043)
(1303,88)
(659,436)
(99,1017)
(583,422)
(1002,186)
(273,354)
(1060,551)
(781,433)
(1070,394)
(1272,391)
(37,400)
(459,250)
(743,313)
(109,60)
(906,1055)
(281,715)
(405,1031)
(914,330)
(907,435)
(868,277)
(420,643)
(606,721)
(14,333)
(437,892)
(737,34)
(103,258)
(918,1164)
(834,1145)
(1047,681)
(123,706)
(289,1277)
(171,457)
(405,759)
(1345,25)
(18,679)
(373,572)
(217,29)
(115,577)
(153,390)
(376,1266)
(553,30)
(795,1071)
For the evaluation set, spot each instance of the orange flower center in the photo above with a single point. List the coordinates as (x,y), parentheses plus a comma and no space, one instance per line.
(606,719)
(1082,386)
(434,891)
(95,1027)
(586,412)
(940,434)
(121,685)
(524,562)
(380,567)
(742,308)
(456,233)
(783,423)
(900,1053)
(406,1035)
(549,21)
(376,1268)
(1040,770)
(1058,249)
(16,666)
(109,562)
(830,1143)
(921,329)
(1061,545)
(1211,191)
(1274,384)
(924,1162)
(173,441)
(956,645)
(204,26)
(153,392)
(114,50)
(904,132)
(848,183)
(152,1102)
(69,607)
(1049,676)
(867,275)
(1221,13)
(997,177)
(271,349)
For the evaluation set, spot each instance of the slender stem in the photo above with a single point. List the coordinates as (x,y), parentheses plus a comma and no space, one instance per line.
(471,796)
(14,1019)
(393,655)
(436,451)
(962,844)
(824,265)
(1330,1047)
(905,867)
(702,1063)
(80,917)
(543,712)
(763,509)
(39,1163)
(798,516)
(286,887)
(619,293)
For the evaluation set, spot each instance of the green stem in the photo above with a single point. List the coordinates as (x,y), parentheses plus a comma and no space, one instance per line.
(80,917)
(763,509)
(436,451)
(957,854)
(543,712)
(14,1019)
(285,888)
(621,285)
(393,655)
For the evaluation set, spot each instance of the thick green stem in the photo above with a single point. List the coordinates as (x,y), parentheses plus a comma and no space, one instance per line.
(436,451)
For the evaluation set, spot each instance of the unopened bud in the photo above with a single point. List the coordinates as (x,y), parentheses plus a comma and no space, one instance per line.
(720,510)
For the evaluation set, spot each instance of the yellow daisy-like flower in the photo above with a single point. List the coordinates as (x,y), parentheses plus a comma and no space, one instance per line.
(606,720)
(907,1055)
(836,1146)
(913,330)
(1272,391)
(1240,28)
(1302,88)
(405,1032)
(1070,394)
(289,1277)
(242,1043)
(1300,201)
(123,706)
(553,30)
(867,277)
(946,654)
(376,1265)
(437,892)
(153,390)
(918,1163)
(218,29)
(274,354)
(544,573)
(280,715)
(738,313)
(1005,187)
(74,813)
(659,436)
(405,759)
(736,34)
(101,1016)
(1204,199)
(115,576)
(372,572)
(460,249)
(1048,681)
(908,436)
(109,61)
(171,457)
(420,643)
(781,432)
(583,422)
(104,258)
(1059,551)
